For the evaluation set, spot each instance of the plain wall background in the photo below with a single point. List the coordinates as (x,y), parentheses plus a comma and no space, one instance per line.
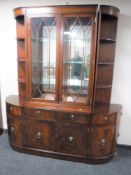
(121,91)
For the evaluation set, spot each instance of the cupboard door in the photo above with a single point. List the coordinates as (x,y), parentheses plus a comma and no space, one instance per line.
(77,56)
(39,134)
(102,141)
(43,55)
(15,131)
(72,139)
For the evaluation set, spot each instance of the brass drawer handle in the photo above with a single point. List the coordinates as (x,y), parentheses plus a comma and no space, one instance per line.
(102,142)
(38,112)
(38,136)
(12,128)
(71,138)
(106,119)
(11,108)
(72,116)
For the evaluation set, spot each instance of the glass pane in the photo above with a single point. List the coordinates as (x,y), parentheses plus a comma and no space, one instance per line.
(76,58)
(43,56)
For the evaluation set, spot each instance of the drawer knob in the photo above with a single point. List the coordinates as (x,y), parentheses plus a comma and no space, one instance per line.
(106,119)
(72,116)
(38,112)
(38,135)
(71,138)
(103,141)
(11,108)
(12,128)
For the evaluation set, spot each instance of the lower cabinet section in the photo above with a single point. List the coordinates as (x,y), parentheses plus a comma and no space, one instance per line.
(79,137)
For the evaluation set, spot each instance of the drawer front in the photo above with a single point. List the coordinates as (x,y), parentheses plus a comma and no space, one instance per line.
(40,114)
(75,117)
(39,134)
(101,141)
(104,119)
(72,139)
(13,110)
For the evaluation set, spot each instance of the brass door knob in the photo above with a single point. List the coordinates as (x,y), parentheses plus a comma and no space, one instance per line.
(72,116)
(38,135)
(103,141)
(106,119)
(38,112)
(12,128)
(71,138)
(11,108)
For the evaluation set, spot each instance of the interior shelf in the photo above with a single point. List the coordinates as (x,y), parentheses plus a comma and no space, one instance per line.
(21,60)
(103,86)
(21,80)
(20,19)
(105,63)
(107,40)
(20,39)
(108,17)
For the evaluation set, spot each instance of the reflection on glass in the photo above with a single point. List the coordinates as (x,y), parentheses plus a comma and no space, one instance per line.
(76,58)
(43,51)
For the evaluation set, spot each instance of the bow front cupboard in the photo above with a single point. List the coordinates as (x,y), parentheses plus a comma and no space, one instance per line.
(65,71)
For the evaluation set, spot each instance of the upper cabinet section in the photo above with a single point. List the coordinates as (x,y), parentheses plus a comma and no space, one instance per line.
(66,53)
(60,43)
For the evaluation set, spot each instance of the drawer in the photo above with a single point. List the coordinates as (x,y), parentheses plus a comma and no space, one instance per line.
(104,119)
(14,110)
(75,117)
(72,139)
(40,114)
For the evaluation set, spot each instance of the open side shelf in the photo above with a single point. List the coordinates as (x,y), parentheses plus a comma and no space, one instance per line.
(106,63)
(107,40)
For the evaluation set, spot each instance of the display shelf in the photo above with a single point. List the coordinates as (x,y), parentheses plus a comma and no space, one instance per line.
(108,17)
(103,86)
(21,49)
(107,40)
(21,80)
(21,60)
(106,63)
(22,89)
(21,69)
(20,19)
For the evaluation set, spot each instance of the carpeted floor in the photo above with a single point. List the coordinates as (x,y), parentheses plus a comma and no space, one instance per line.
(14,163)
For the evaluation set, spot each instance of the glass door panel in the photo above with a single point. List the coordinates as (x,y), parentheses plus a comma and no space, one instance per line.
(43,57)
(76,58)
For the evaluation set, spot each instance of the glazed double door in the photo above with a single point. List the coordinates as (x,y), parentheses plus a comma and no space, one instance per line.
(61,57)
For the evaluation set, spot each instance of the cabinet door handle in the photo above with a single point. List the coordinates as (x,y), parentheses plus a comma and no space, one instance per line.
(106,119)
(12,128)
(103,141)
(38,135)
(71,138)
(11,108)
(38,112)
(72,116)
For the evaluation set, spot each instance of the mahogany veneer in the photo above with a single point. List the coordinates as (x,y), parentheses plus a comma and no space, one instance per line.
(60,121)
